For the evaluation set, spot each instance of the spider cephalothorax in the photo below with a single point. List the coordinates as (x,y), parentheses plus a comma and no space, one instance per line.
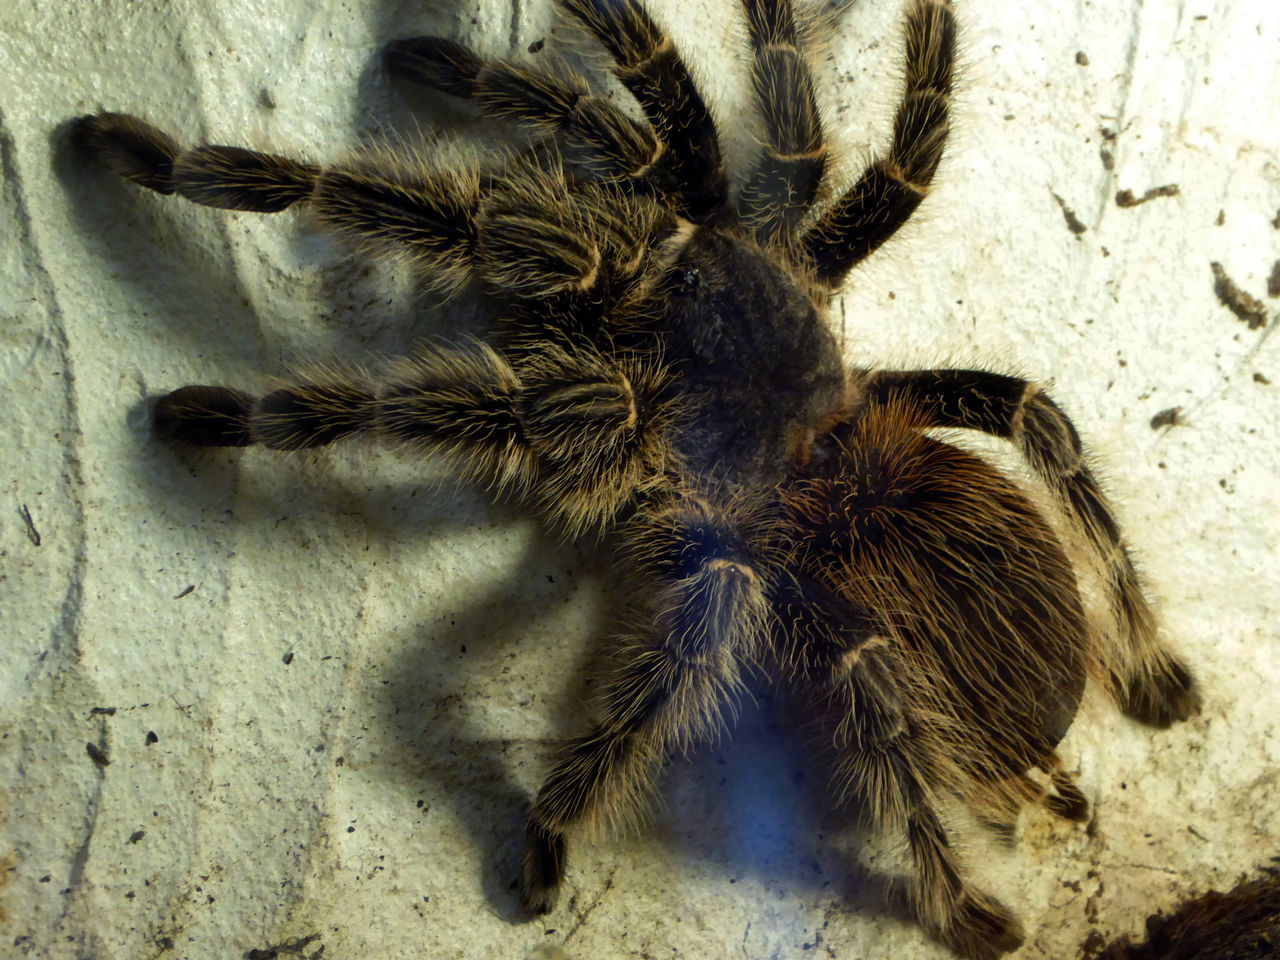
(661,369)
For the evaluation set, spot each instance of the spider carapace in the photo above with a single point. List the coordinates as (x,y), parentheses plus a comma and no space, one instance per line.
(660,368)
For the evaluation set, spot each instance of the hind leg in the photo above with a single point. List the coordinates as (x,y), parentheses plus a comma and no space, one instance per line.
(1150,683)
(881,761)
(674,686)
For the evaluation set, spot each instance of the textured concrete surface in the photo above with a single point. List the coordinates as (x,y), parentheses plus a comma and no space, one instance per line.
(248,700)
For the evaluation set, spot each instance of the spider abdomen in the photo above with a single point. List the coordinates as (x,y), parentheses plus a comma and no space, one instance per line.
(953,565)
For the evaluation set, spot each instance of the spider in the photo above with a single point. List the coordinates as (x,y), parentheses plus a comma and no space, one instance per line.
(660,369)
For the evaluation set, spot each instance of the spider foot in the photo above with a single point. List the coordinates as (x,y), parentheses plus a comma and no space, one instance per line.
(204,416)
(1003,828)
(1068,801)
(1162,696)
(1075,809)
(130,147)
(983,928)
(542,870)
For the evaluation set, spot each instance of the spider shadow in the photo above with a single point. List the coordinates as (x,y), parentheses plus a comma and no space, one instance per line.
(160,258)
(155,255)
(439,745)
(757,806)
(427,742)
(752,807)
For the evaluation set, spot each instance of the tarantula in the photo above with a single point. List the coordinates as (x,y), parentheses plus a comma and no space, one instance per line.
(660,368)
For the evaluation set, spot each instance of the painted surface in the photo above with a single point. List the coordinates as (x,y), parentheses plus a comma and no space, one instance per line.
(248,699)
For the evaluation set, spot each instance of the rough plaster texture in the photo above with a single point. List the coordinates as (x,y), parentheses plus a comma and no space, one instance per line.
(325,686)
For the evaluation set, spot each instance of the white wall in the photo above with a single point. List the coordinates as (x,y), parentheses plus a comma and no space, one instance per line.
(370,790)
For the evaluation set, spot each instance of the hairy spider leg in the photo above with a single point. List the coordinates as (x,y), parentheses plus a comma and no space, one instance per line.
(580,435)
(1062,797)
(595,133)
(678,153)
(525,233)
(788,171)
(228,177)
(946,650)
(878,762)
(814,630)
(647,63)
(1067,801)
(672,682)
(888,192)
(1150,683)
(836,663)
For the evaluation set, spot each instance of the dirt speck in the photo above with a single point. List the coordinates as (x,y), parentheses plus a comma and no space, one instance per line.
(1126,198)
(1073,222)
(97,754)
(1243,304)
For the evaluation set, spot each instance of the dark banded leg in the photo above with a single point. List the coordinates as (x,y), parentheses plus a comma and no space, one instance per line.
(1062,797)
(837,663)
(1153,686)
(679,154)
(462,402)
(576,433)
(880,767)
(230,178)
(669,690)
(820,635)
(647,64)
(892,187)
(789,169)
(525,233)
(814,629)
(596,135)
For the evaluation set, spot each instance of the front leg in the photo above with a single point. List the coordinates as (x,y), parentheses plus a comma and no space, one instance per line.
(523,233)
(607,142)
(893,186)
(577,433)
(670,686)
(647,63)
(789,169)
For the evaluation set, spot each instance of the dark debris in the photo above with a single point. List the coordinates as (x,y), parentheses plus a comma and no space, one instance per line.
(293,947)
(1244,305)
(1073,222)
(32,533)
(1126,198)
